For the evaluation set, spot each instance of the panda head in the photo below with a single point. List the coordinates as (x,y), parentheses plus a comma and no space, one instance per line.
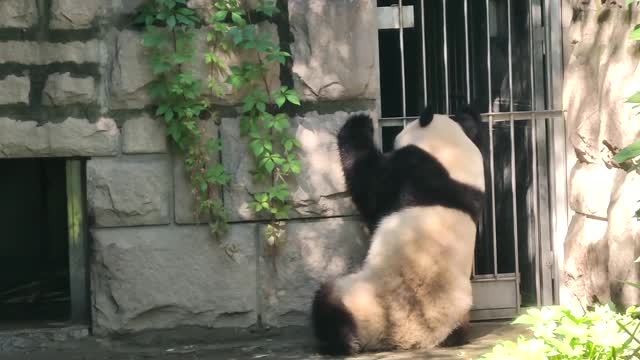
(454,142)
(431,125)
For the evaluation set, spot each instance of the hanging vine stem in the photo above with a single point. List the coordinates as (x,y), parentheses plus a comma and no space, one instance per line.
(169,31)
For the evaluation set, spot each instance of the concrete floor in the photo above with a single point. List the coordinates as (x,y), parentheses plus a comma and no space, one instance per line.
(292,344)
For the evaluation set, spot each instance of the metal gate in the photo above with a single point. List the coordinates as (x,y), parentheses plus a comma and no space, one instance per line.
(505,57)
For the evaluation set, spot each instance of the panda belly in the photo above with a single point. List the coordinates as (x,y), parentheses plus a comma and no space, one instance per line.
(414,287)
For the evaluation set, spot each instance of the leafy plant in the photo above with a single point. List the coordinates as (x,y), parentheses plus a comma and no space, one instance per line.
(262,119)
(169,39)
(560,333)
(181,100)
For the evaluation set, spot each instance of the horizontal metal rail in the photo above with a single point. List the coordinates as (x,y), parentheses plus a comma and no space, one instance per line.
(497,117)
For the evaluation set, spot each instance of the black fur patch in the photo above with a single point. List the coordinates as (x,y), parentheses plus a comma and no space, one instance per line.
(333,324)
(459,335)
(426,117)
(471,124)
(381,184)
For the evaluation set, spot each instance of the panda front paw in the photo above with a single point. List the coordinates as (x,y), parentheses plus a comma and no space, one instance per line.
(357,130)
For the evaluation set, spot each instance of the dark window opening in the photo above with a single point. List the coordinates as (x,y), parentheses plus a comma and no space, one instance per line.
(34,247)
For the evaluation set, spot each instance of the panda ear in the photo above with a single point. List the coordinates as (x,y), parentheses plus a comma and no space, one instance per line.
(469,119)
(426,116)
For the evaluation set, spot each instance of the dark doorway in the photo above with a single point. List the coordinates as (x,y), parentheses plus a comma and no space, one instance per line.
(34,245)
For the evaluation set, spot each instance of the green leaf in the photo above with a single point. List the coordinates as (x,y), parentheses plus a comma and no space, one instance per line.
(634,99)
(220,15)
(256,147)
(281,122)
(296,168)
(184,20)
(635,34)
(269,165)
(280,100)
(171,22)
(237,19)
(630,152)
(292,97)
(288,144)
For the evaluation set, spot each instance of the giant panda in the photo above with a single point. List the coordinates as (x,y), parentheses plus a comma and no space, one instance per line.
(423,203)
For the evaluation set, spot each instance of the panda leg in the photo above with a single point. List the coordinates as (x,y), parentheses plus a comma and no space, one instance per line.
(459,335)
(333,324)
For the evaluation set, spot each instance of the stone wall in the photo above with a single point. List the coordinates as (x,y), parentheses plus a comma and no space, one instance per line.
(601,71)
(74,80)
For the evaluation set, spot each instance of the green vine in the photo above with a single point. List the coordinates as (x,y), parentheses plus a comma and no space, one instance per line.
(182,99)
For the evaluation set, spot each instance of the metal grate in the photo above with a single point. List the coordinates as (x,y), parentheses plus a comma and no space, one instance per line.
(505,59)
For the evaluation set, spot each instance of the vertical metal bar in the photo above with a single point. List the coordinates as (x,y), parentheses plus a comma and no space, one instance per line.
(513,159)
(445,56)
(490,95)
(78,274)
(402,75)
(494,237)
(534,143)
(424,53)
(558,140)
(466,49)
(467,76)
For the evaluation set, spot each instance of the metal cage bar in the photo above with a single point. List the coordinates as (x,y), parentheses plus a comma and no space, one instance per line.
(534,161)
(424,56)
(445,57)
(513,159)
(402,70)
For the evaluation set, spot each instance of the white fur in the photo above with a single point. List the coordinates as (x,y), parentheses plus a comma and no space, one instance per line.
(445,140)
(418,269)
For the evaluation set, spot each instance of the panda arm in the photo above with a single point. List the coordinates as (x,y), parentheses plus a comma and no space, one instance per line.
(362,164)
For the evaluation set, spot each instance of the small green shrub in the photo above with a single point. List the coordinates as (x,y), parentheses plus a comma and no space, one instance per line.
(560,333)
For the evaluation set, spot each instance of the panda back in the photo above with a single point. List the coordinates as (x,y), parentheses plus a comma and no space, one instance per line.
(446,141)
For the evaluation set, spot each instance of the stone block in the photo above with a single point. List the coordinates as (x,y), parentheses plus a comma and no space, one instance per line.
(64,89)
(238,162)
(144,134)
(78,137)
(18,13)
(320,189)
(72,14)
(623,238)
(164,277)
(585,263)
(15,89)
(34,53)
(314,251)
(72,137)
(22,138)
(184,201)
(129,190)
(131,72)
(590,187)
(349,69)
